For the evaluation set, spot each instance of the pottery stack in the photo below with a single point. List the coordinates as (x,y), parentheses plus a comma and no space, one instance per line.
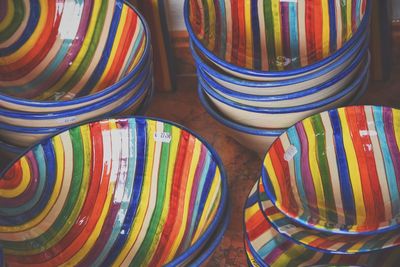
(65,63)
(264,65)
(329,193)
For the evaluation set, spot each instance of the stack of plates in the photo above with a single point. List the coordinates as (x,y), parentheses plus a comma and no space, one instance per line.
(329,193)
(265,65)
(65,63)
(123,192)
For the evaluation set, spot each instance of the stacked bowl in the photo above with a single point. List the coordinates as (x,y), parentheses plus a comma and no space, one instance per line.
(329,193)
(264,65)
(132,191)
(65,63)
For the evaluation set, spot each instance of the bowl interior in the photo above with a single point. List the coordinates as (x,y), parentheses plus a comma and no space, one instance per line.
(272,35)
(60,51)
(121,191)
(339,171)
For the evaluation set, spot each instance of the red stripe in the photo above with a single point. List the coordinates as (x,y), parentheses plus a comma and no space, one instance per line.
(235,31)
(13,177)
(310,25)
(256,226)
(318,28)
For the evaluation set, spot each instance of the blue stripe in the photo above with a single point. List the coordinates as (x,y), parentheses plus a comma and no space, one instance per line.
(332,26)
(98,72)
(390,173)
(48,190)
(256,35)
(344,178)
(26,34)
(223,28)
(137,188)
(294,34)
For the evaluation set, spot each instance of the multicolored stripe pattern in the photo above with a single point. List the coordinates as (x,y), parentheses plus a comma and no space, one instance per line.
(333,243)
(60,50)
(266,247)
(274,35)
(339,170)
(135,192)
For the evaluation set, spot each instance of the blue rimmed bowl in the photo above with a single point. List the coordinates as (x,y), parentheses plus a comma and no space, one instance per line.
(127,191)
(269,40)
(283,117)
(62,56)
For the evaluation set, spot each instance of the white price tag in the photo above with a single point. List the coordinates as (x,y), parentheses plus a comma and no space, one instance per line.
(290,153)
(162,137)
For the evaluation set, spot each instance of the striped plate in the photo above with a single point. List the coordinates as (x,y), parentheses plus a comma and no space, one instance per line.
(274,35)
(266,247)
(339,171)
(330,243)
(59,50)
(131,191)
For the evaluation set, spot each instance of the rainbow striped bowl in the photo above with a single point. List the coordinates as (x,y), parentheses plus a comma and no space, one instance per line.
(57,56)
(273,40)
(129,191)
(338,171)
(266,247)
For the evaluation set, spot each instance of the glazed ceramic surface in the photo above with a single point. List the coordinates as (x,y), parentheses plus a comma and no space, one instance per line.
(317,240)
(266,247)
(283,117)
(62,51)
(131,191)
(339,171)
(255,37)
(298,98)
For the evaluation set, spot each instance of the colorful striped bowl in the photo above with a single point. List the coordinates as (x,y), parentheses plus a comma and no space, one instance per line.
(338,171)
(260,40)
(129,191)
(60,56)
(283,117)
(27,136)
(301,97)
(266,247)
(322,241)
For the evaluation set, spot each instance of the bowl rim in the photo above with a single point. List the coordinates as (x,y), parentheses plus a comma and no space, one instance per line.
(234,125)
(285,110)
(271,84)
(356,62)
(51,130)
(140,82)
(146,56)
(274,74)
(222,207)
(323,229)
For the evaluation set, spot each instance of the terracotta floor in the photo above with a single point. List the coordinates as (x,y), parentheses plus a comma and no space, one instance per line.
(242,166)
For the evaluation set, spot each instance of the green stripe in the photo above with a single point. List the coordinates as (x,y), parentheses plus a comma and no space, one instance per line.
(269,26)
(324,167)
(343,5)
(20,13)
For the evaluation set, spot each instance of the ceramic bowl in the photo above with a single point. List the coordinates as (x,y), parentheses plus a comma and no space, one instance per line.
(266,247)
(340,169)
(298,98)
(286,86)
(274,39)
(59,56)
(128,191)
(26,136)
(256,139)
(284,117)
(322,241)
(136,90)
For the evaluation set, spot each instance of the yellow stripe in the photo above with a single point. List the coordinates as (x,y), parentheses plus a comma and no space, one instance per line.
(9,16)
(81,55)
(396,125)
(251,211)
(115,46)
(285,258)
(26,178)
(316,175)
(274,180)
(193,166)
(211,12)
(277,29)
(216,185)
(27,46)
(348,10)
(174,145)
(59,153)
(325,28)
(353,168)
(249,35)
(144,198)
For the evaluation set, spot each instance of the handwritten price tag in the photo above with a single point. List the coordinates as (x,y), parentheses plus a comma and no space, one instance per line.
(162,137)
(290,153)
